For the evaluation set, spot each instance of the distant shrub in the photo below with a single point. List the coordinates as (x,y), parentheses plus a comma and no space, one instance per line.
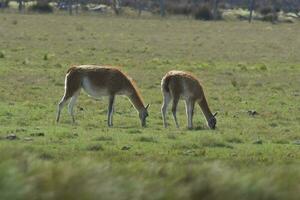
(84,7)
(265,10)
(268,14)
(277,9)
(270,17)
(41,7)
(179,9)
(203,12)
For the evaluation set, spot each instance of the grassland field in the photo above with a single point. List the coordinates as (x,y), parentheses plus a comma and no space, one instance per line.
(243,67)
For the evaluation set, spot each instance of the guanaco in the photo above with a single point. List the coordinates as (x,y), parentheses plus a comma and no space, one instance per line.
(184,85)
(99,81)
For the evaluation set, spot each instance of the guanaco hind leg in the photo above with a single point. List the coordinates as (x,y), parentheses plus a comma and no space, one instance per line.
(166,101)
(110,110)
(174,109)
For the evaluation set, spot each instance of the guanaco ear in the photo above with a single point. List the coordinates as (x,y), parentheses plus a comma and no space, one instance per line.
(147,107)
(215,114)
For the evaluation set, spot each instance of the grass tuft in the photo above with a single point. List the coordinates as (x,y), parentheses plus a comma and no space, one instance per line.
(104,138)
(213,142)
(234,140)
(95,147)
(148,139)
(2,54)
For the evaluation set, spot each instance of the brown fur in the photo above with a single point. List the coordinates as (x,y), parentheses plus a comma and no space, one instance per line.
(111,78)
(179,82)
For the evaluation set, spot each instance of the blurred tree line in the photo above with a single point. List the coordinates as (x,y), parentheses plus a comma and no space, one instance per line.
(206,9)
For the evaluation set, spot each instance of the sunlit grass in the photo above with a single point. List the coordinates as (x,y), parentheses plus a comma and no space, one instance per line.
(250,74)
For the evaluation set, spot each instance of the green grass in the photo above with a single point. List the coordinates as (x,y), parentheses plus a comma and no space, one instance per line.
(243,67)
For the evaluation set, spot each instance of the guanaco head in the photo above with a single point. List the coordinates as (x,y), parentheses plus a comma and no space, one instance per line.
(212,121)
(143,115)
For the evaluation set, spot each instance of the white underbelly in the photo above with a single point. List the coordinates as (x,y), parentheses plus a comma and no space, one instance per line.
(186,94)
(92,90)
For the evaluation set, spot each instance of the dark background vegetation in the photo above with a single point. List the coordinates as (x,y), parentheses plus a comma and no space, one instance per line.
(208,8)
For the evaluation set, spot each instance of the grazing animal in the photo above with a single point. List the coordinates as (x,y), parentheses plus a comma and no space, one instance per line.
(99,81)
(179,84)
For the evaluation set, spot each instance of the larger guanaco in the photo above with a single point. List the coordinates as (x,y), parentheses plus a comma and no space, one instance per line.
(180,84)
(99,81)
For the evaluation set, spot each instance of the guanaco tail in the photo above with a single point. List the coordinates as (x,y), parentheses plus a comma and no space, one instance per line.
(99,81)
(179,84)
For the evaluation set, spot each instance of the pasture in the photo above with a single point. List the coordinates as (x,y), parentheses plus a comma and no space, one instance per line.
(250,74)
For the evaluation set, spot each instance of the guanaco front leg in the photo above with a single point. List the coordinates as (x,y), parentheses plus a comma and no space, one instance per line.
(174,109)
(190,105)
(61,104)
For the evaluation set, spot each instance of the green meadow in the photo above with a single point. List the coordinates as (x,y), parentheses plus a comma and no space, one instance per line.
(250,74)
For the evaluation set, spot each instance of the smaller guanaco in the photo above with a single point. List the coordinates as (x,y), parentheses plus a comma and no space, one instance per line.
(177,85)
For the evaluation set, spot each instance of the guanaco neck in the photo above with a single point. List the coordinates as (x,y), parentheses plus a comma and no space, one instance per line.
(136,100)
(205,109)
